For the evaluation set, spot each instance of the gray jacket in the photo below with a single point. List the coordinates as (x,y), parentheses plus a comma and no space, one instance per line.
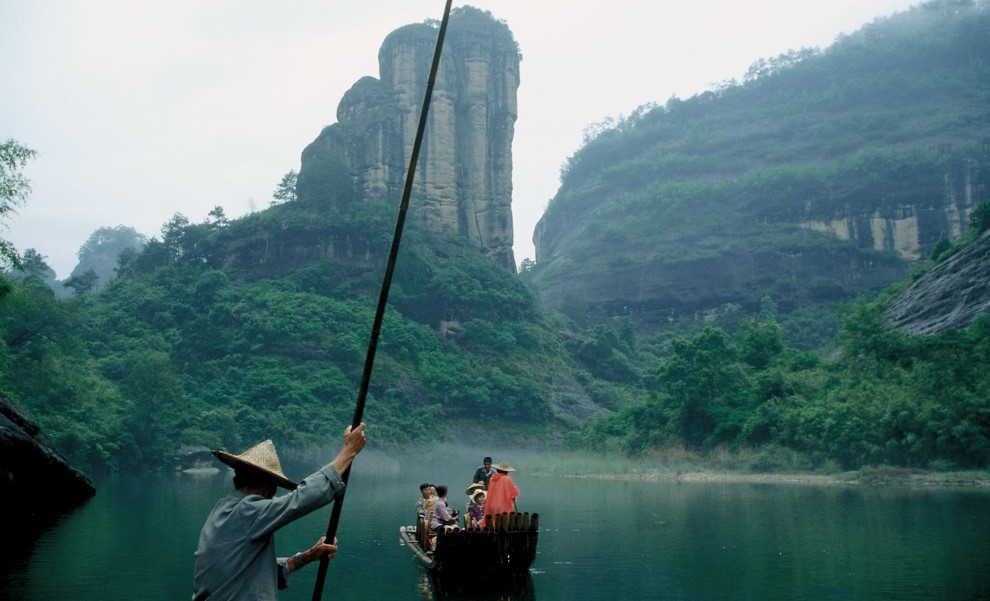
(235,559)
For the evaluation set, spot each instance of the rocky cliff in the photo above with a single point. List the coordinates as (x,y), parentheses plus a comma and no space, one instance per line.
(949,296)
(463,183)
(904,217)
(36,483)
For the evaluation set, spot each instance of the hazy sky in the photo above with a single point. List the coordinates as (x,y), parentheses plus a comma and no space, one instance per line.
(142,109)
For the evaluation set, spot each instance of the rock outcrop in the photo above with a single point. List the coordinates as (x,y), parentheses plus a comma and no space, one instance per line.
(905,218)
(36,483)
(463,182)
(951,295)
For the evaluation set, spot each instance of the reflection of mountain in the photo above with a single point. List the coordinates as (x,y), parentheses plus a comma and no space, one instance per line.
(825,174)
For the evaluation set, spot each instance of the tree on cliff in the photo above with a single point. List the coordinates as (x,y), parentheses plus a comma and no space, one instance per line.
(14,188)
(979,219)
(286,189)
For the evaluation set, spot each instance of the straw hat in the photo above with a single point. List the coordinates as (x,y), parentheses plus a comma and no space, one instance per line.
(503,466)
(261,457)
(480,491)
(474,488)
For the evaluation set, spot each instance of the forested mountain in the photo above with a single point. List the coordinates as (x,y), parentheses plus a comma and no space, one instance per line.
(823,175)
(230,331)
(175,350)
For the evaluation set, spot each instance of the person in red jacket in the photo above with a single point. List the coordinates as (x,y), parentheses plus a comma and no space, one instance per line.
(502,493)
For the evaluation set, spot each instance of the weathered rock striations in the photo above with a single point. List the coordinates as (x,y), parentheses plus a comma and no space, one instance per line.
(951,295)
(918,219)
(463,182)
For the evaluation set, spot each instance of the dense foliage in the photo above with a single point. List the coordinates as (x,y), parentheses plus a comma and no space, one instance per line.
(14,188)
(886,399)
(177,351)
(889,399)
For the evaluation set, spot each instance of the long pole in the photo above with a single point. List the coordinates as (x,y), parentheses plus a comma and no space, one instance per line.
(376,329)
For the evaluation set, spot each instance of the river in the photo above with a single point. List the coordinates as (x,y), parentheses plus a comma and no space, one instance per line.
(599,539)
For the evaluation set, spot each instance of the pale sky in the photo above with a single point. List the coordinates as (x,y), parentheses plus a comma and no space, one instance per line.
(141,109)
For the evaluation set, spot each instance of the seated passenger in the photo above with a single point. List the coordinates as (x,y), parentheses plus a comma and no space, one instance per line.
(424,492)
(429,503)
(442,517)
(475,510)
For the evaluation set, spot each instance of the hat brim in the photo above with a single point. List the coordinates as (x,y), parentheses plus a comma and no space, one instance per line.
(238,463)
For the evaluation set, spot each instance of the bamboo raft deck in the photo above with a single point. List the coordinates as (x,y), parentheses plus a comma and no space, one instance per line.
(508,548)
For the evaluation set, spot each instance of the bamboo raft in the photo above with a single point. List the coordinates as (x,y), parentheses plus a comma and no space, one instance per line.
(507,549)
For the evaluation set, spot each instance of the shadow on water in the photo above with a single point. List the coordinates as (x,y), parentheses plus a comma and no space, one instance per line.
(21,536)
(514,587)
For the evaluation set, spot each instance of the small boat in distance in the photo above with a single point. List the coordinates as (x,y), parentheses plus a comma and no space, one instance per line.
(477,554)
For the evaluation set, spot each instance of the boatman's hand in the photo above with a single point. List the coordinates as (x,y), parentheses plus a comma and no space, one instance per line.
(354,440)
(314,553)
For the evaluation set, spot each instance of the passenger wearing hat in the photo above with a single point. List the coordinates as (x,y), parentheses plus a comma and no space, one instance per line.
(236,558)
(502,493)
(475,512)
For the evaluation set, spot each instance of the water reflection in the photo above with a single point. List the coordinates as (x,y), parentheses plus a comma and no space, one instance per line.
(514,587)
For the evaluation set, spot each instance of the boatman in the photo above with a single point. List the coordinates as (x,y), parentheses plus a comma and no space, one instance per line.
(502,493)
(235,559)
(485,472)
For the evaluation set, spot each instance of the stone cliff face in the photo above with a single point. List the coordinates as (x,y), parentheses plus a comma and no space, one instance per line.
(951,295)
(824,252)
(917,220)
(463,183)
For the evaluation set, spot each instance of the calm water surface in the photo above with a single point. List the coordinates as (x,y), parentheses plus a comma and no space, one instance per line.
(599,539)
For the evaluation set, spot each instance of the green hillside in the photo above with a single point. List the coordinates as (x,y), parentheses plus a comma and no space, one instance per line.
(190,346)
(824,174)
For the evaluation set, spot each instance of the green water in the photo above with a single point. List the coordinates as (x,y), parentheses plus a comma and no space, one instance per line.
(599,539)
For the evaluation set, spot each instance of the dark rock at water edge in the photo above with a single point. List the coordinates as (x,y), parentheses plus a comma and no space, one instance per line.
(36,483)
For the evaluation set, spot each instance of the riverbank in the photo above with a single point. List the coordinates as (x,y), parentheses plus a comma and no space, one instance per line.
(677,464)
(867,477)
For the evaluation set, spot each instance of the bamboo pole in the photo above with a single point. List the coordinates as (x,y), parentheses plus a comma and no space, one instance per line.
(376,328)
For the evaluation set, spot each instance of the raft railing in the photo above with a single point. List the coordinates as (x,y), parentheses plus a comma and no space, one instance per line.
(506,547)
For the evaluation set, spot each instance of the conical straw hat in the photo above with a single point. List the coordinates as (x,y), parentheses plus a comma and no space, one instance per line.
(261,457)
